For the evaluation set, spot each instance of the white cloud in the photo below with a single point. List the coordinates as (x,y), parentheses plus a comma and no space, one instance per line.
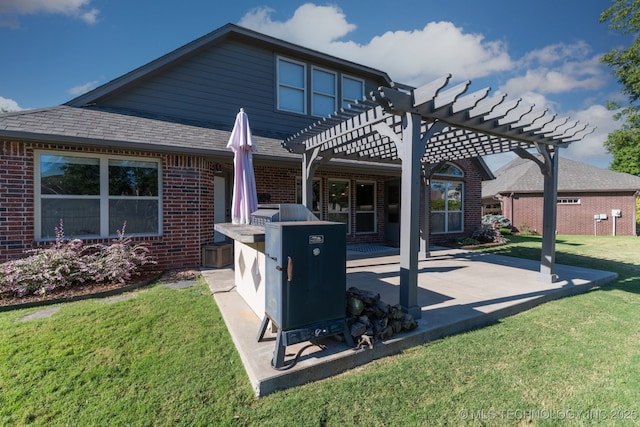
(78,9)
(558,68)
(79,90)
(419,56)
(411,57)
(311,25)
(7,104)
(591,149)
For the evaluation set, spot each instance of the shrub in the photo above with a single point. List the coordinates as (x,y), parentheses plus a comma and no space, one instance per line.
(466,241)
(69,263)
(496,221)
(525,230)
(488,234)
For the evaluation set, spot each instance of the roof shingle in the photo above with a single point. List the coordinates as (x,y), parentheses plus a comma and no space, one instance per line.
(524,176)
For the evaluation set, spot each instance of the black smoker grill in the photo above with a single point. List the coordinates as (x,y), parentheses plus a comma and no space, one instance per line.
(305,281)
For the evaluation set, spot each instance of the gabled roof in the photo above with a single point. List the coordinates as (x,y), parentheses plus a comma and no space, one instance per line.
(225,32)
(83,121)
(524,176)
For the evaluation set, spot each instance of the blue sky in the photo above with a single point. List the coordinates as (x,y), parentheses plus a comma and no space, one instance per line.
(546,52)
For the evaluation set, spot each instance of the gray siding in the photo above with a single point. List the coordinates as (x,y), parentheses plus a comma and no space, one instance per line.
(213,85)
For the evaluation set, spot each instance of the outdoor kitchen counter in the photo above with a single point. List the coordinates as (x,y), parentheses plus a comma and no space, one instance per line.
(245,233)
(248,262)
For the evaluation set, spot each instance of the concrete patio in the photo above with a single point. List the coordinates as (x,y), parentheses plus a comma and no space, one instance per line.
(458,290)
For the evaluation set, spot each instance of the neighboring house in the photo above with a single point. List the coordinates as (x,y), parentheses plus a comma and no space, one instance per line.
(589,198)
(149,149)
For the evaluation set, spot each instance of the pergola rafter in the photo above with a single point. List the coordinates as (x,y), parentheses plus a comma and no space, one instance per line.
(429,125)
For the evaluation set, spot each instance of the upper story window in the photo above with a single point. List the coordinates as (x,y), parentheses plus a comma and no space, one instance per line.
(352,90)
(306,89)
(292,87)
(324,92)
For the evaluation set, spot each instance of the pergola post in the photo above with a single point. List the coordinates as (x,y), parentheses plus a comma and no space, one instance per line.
(424,220)
(309,166)
(549,219)
(549,168)
(412,149)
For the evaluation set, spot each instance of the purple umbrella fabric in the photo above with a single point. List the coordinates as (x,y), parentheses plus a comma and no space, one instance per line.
(245,198)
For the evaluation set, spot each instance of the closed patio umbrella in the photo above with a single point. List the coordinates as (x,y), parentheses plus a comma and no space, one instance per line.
(245,198)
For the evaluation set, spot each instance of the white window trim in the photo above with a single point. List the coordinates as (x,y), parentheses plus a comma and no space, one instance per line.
(569,201)
(449,175)
(349,100)
(374,211)
(278,85)
(447,211)
(314,92)
(104,191)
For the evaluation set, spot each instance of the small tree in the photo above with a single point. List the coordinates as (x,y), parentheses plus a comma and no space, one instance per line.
(624,144)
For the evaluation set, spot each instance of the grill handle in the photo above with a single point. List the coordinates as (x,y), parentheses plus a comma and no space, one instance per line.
(289,269)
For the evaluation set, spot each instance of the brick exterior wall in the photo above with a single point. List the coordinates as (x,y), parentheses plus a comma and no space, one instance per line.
(187,203)
(188,199)
(525,210)
(16,199)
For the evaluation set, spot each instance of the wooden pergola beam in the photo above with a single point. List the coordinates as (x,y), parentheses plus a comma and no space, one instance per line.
(432,124)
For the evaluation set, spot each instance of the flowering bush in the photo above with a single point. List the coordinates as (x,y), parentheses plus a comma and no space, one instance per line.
(69,262)
(488,234)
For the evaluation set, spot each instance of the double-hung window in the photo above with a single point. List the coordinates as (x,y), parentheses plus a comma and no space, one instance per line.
(324,92)
(446,200)
(352,90)
(307,89)
(94,195)
(292,87)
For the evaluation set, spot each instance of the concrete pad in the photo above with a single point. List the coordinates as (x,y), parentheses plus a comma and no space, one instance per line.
(458,291)
(220,279)
(40,314)
(181,284)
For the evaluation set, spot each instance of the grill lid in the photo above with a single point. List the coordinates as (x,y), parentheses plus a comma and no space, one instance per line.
(281,212)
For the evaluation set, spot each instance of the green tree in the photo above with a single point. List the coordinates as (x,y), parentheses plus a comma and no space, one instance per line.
(624,16)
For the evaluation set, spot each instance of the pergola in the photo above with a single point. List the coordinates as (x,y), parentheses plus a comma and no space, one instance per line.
(422,128)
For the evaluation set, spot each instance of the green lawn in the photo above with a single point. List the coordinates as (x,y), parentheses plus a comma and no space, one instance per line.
(166,358)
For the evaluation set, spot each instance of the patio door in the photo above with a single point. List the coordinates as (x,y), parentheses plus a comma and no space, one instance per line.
(392,212)
(220,200)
